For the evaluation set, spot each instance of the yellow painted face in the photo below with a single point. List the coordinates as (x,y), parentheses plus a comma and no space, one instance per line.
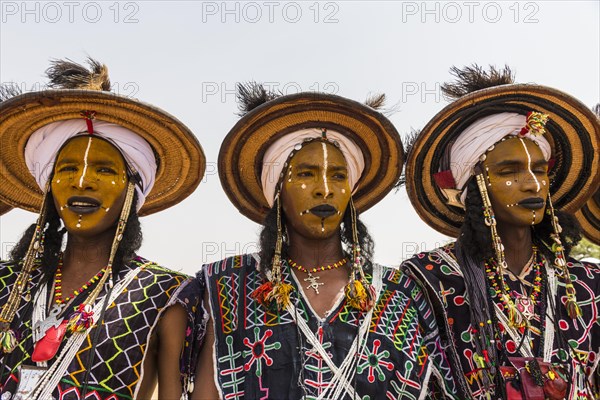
(316,191)
(89,185)
(518,184)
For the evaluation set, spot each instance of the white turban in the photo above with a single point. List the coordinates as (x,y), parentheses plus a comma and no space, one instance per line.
(43,146)
(278,153)
(480,136)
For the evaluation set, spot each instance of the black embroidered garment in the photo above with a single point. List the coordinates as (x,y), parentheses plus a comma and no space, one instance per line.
(574,344)
(262,354)
(122,340)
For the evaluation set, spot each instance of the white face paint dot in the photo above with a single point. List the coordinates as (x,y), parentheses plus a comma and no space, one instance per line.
(544,183)
(113,182)
(343,190)
(508,183)
(289,180)
(58,181)
(303,186)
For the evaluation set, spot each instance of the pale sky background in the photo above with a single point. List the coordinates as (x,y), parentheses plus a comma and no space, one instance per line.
(187,56)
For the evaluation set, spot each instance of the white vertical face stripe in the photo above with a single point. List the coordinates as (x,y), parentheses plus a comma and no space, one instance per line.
(85,162)
(325,169)
(537,183)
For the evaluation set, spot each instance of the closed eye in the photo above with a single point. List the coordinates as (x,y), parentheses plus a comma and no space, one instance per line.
(107,170)
(305,174)
(67,168)
(507,172)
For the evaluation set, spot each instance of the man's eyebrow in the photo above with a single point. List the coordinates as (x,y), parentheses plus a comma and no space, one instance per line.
(505,163)
(75,160)
(510,163)
(307,166)
(67,161)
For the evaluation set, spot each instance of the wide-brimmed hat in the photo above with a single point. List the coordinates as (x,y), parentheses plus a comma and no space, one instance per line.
(589,215)
(180,159)
(242,151)
(4,208)
(572,130)
(589,218)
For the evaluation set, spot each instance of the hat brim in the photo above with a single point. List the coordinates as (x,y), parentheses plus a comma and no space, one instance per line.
(589,218)
(181,161)
(4,208)
(242,151)
(573,132)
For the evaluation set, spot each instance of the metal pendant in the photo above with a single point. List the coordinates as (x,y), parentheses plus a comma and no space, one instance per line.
(40,328)
(526,306)
(313,284)
(29,379)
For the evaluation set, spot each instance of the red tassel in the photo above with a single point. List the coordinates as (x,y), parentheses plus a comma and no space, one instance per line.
(262,293)
(89,116)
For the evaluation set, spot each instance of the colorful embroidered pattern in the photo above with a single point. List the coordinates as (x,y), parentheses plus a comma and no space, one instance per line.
(123,338)
(264,354)
(439,272)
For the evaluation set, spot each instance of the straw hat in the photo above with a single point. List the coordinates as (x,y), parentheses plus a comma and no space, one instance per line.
(573,132)
(181,161)
(4,208)
(589,215)
(589,218)
(242,151)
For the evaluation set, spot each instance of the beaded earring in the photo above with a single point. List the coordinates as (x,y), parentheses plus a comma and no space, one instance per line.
(515,317)
(573,309)
(8,336)
(275,291)
(360,294)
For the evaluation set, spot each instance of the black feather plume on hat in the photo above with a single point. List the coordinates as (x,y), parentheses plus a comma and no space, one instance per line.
(473,78)
(596,110)
(376,101)
(408,142)
(66,74)
(251,95)
(9,90)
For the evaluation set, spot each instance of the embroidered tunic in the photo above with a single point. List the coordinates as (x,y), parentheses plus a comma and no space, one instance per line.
(439,272)
(122,340)
(263,354)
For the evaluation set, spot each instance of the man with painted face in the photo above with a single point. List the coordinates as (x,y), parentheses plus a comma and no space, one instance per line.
(497,169)
(83,315)
(310,315)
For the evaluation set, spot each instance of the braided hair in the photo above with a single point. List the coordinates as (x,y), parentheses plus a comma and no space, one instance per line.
(474,246)
(54,232)
(268,238)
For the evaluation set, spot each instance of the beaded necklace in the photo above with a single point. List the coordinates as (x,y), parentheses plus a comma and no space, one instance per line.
(312,280)
(525,305)
(58,295)
(317,269)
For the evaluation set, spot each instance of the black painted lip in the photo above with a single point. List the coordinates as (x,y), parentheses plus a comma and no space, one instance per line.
(323,210)
(93,206)
(532,203)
